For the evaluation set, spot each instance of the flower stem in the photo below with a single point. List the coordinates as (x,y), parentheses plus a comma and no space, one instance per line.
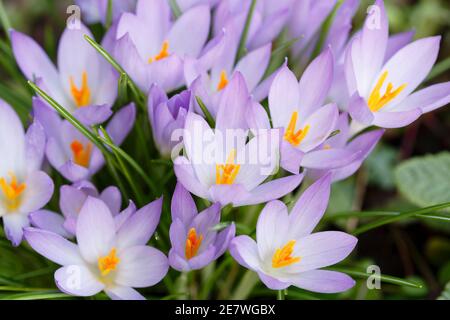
(280,295)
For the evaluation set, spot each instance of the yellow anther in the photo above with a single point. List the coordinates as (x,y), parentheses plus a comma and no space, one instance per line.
(82,97)
(193,242)
(223,80)
(81,153)
(12,191)
(292,136)
(282,256)
(378,101)
(108,263)
(226,173)
(164,53)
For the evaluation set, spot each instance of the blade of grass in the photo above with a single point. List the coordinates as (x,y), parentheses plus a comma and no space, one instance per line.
(37,296)
(208,116)
(175,8)
(439,69)
(374,214)
(325,29)
(6,25)
(242,42)
(109,14)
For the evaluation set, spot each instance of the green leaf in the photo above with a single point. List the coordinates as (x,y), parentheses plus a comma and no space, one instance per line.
(208,116)
(175,8)
(425,181)
(380,166)
(445,294)
(4,19)
(242,42)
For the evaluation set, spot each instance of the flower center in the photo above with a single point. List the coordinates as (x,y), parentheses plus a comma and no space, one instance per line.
(226,173)
(12,191)
(292,136)
(193,243)
(108,263)
(378,101)
(81,153)
(282,256)
(223,81)
(164,53)
(82,97)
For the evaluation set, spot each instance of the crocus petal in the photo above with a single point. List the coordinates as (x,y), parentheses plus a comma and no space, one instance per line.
(309,208)
(53,246)
(225,194)
(93,114)
(257,117)
(138,229)
(50,221)
(186,176)
(396,42)
(77,280)
(141,266)
(270,28)
(272,283)
(112,198)
(183,205)
(95,230)
(177,262)
(38,192)
(396,119)
(359,110)
(427,99)
(121,123)
(223,240)
(178,232)
(329,158)
(13,225)
(262,89)
(316,82)
(123,293)
(245,251)
(323,281)
(253,65)
(124,215)
(71,200)
(291,157)
(72,171)
(35,146)
(155,15)
(203,259)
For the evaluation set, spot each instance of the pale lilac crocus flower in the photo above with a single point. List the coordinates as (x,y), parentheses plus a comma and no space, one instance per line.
(296,107)
(71,200)
(104,258)
(167,115)
(286,253)
(84,83)
(151,47)
(93,11)
(185,5)
(24,188)
(69,151)
(195,241)
(382,94)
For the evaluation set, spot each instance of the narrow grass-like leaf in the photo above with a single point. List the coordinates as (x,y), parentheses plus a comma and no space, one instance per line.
(4,20)
(439,69)
(43,295)
(175,8)
(109,14)
(325,29)
(243,41)
(208,116)
(375,214)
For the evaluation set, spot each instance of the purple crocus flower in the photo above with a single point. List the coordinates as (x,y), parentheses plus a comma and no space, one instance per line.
(93,11)
(382,94)
(84,83)
(195,242)
(362,145)
(72,198)
(296,107)
(23,187)
(69,151)
(105,259)
(151,47)
(286,253)
(167,115)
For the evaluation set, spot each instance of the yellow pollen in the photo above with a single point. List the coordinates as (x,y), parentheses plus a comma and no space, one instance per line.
(326,147)
(81,96)
(282,256)
(226,173)
(81,153)
(12,191)
(164,53)
(193,243)
(378,101)
(223,80)
(108,263)
(293,137)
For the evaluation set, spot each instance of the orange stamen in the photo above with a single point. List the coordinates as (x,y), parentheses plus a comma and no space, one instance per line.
(193,243)
(81,153)
(376,100)
(282,256)
(293,137)
(223,80)
(226,173)
(108,263)
(164,53)
(81,96)
(12,191)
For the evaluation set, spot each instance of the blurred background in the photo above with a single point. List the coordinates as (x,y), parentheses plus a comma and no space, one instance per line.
(409,169)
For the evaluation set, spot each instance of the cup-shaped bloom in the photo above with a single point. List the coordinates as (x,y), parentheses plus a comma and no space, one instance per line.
(382,94)
(296,107)
(362,145)
(105,258)
(195,241)
(167,115)
(69,151)
(287,253)
(23,187)
(221,167)
(84,83)
(94,11)
(151,47)
(71,200)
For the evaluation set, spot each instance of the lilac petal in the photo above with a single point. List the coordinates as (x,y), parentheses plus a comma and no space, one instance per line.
(112,198)
(93,114)
(71,200)
(316,82)
(272,283)
(38,192)
(309,208)
(194,21)
(168,73)
(177,233)
(427,99)
(156,96)
(340,139)
(73,172)
(235,194)
(359,110)
(272,226)
(177,262)
(323,281)
(262,90)
(329,158)
(253,65)
(53,246)
(123,293)
(95,230)
(270,28)
(121,123)
(223,240)
(87,284)
(141,266)
(396,42)
(203,259)
(138,229)
(245,251)
(206,220)
(124,215)
(47,117)
(257,117)
(183,205)
(34,146)
(14,224)
(396,119)
(284,97)
(186,176)
(146,43)
(291,157)
(50,221)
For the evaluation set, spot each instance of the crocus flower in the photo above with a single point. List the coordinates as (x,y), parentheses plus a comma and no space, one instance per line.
(23,187)
(151,47)
(93,11)
(104,258)
(84,83)
(286,253)
(167,115)
(362,145)
(71,200)
(382,94)
(69,151)
(296,107)
(195,242)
